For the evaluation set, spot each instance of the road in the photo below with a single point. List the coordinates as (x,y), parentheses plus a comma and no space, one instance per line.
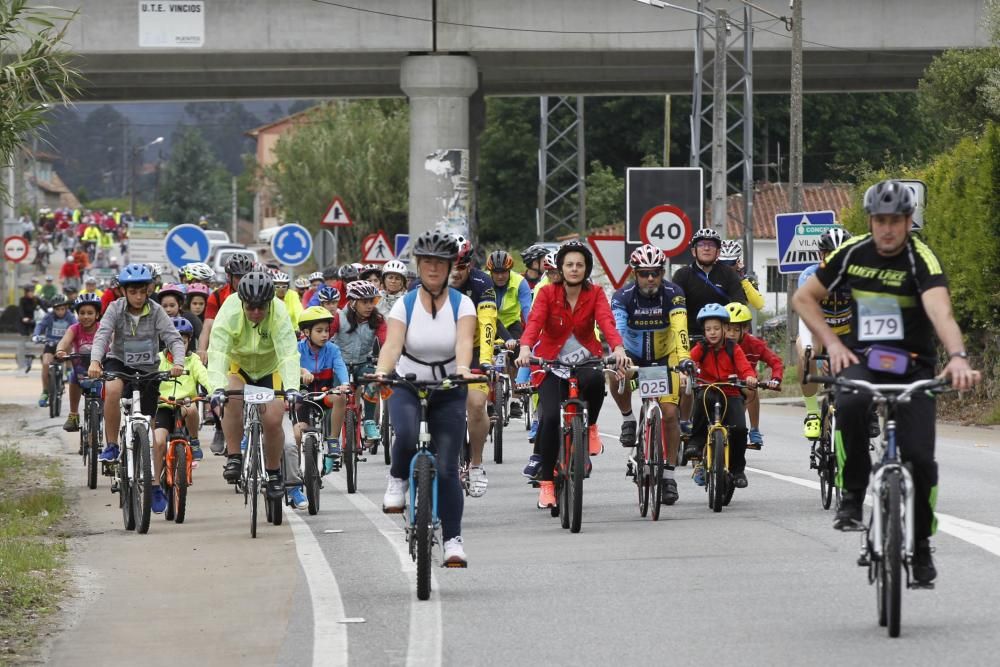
(765,582)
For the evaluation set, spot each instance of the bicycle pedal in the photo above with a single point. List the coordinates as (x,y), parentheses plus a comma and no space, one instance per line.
(362,460)
(753,446)
(864,561)
(455,565)
(916,585)
(392,510)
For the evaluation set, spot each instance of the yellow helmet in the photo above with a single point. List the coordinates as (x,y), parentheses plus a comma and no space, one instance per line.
(314,314)
(738,313)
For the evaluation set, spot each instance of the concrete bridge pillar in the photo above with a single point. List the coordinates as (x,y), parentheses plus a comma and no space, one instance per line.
(438,87)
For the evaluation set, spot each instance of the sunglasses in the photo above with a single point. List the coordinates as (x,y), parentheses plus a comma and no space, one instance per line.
(655,273)
(253,307)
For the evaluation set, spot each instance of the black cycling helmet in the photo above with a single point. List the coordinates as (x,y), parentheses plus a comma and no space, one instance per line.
(347,273)
(433,243)
(889,197)
(833,238)
(256,288)
(533,253)
(59,300)
(331,273)
(706,234)
(239,264)
(576,246)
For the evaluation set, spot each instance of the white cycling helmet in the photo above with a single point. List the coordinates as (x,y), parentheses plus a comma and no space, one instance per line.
(394,266)
(301,283)
(198,272)
(281,277)
(732,251)
(549,262)
(647,257)
(315,275)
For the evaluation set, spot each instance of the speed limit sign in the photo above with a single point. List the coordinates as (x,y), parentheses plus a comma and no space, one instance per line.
(668,228)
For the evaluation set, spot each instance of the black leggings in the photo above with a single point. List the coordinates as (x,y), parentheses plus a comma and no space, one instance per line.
(550,395)
(734,417)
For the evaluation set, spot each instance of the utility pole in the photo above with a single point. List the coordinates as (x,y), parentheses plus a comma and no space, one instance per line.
(235,210)
(795,163)
(720,132)
(666,130)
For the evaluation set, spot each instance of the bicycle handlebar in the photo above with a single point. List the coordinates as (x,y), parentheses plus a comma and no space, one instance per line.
(411,381)
(900,393)
(159,375)
(592,362)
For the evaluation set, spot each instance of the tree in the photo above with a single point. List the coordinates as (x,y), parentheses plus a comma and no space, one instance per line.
(605,196)
(223,126)
(36,72)
(508,171)
(194,182)
(357,150)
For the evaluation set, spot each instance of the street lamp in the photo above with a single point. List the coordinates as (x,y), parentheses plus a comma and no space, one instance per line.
(136,150)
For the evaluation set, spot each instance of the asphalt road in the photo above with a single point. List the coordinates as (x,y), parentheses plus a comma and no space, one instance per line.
(767,581)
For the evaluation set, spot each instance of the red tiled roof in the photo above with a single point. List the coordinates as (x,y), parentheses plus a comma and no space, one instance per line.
(773,198)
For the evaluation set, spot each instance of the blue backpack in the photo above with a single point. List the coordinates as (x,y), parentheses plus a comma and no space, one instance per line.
(410,298)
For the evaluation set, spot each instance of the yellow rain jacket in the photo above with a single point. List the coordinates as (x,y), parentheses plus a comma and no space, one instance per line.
(184,386)
(256,349)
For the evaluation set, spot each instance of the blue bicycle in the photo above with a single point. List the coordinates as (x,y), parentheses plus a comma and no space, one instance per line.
(422,522)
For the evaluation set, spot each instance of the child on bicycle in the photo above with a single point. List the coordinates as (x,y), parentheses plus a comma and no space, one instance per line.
(720,360)
(355,331)
(756,350)
(78,339)
(329,298)
(50,331)
(321,364)
(171,298)
(197,298)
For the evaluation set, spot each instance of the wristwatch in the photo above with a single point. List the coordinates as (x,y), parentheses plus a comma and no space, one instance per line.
(961,355)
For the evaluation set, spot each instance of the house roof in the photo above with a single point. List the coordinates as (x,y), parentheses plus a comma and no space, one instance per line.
(287,120)
(56,186)
(771,199)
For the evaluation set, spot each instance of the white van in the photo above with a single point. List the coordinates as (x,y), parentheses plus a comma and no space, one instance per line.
(222,254)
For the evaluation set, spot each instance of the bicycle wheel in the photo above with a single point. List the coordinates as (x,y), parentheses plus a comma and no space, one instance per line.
(93,444)
(641,471)
(253,489)
(656,467)
(499,403)
(424,526)
(826,481)
(385,430)
(562,481)
(53,388)
(350,450)
(142,477)
(892,551)
(125,489)
(526,410)
(578,460)
(313,481)
(181,481)
(715,471)
(60,386)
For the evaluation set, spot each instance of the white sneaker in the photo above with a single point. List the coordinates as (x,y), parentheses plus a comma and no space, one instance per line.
(477,481)
(395,495)
(454,554)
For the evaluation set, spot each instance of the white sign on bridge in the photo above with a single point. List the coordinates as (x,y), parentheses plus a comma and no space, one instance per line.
(172,25)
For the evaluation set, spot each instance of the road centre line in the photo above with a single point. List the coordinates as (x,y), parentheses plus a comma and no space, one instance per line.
(330,646)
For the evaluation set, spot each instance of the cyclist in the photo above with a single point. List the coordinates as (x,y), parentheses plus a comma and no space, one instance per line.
(513,299)
(327,297)
(90,287)
(315,280)
(431,337)
(342,278)
(288,297)
(355,330)
(129,336)
(532,257)
(756,350)
(197,295)
(552,274)
(394,283)
(253,343)
(185,386)
(320,363)
(478,286)
(171,298)
(719,359)
(113,293)
(78,339)
(651,316)
(372,273)
(731,255)
(562,323)
(50,331)
(837,308)
(900,298)
(197,272)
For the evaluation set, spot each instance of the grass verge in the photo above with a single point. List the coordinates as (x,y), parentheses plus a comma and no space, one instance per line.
(32,549)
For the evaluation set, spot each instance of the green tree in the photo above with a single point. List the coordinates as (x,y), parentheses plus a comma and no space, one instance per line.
(605,196)
(508,171)
(194,182)
(357,150)
(36,71)
(955,91)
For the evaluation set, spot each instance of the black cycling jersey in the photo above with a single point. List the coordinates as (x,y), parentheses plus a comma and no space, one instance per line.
(721,285)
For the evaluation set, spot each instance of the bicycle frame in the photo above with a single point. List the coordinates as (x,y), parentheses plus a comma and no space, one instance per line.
(890,460)
(423,449)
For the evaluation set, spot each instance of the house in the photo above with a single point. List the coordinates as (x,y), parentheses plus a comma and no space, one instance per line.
(41,186)
(266,211)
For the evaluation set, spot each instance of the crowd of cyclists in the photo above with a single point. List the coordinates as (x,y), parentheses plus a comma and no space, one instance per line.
(350,327)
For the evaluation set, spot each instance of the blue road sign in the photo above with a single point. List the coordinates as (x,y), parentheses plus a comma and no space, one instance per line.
(401,240)
(798,238)
(185,244)
(291,245)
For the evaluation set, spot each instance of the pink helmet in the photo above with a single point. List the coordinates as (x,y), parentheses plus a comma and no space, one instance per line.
(647,257)
(198,288)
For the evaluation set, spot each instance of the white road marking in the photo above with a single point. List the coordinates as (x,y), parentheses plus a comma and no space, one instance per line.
(329,636)
(424,645)
(984,536)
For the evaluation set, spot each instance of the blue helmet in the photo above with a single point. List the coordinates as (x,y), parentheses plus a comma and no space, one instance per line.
(135,274)
(183,327)
(327,293)
(713,311)
(89,299)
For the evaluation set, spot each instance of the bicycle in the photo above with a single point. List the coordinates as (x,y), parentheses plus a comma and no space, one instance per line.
(352,438)
(887,544)
(92,421)
(56,380)
(133,472)
(422,522)
(823,457)
(571,462)
(179,461)
(385,432)
(312,450)
(500,393)
(718,480)
(253,476)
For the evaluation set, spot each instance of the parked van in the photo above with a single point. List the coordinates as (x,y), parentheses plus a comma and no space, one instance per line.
(222,254)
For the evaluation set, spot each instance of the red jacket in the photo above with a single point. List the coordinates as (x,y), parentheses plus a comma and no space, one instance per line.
(551,321)
(215,301)
(716,366)
(756,350)
(107,299)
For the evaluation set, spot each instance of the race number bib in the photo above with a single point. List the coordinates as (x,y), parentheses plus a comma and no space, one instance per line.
(654,382)
(252,394)
(879,318)
(140,353)
(59,328)
(572,352)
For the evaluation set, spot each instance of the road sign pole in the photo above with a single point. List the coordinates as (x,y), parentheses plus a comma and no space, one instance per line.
(795,175)
(336,245)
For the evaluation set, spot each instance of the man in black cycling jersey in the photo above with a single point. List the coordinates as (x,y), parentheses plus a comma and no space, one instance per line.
(900,298)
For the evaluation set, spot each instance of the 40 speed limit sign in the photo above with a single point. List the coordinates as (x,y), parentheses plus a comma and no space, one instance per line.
(668,228)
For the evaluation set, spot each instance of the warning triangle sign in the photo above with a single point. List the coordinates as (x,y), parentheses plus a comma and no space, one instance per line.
(336,215)
(378,251)
(610,252)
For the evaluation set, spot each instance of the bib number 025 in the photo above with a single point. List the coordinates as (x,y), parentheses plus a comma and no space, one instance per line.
(654,382)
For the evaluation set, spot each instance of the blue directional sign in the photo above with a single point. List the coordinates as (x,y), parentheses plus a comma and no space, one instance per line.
(798,238)
(401,241)
(291,245)
(185,244)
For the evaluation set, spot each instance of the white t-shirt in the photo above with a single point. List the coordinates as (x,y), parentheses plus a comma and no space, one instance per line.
(429,339)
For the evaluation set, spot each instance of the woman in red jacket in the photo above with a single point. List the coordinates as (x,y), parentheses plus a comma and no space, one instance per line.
(562,322)
(721,360)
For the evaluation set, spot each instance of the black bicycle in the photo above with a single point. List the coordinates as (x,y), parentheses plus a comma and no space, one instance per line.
(92,422)
(822,456)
